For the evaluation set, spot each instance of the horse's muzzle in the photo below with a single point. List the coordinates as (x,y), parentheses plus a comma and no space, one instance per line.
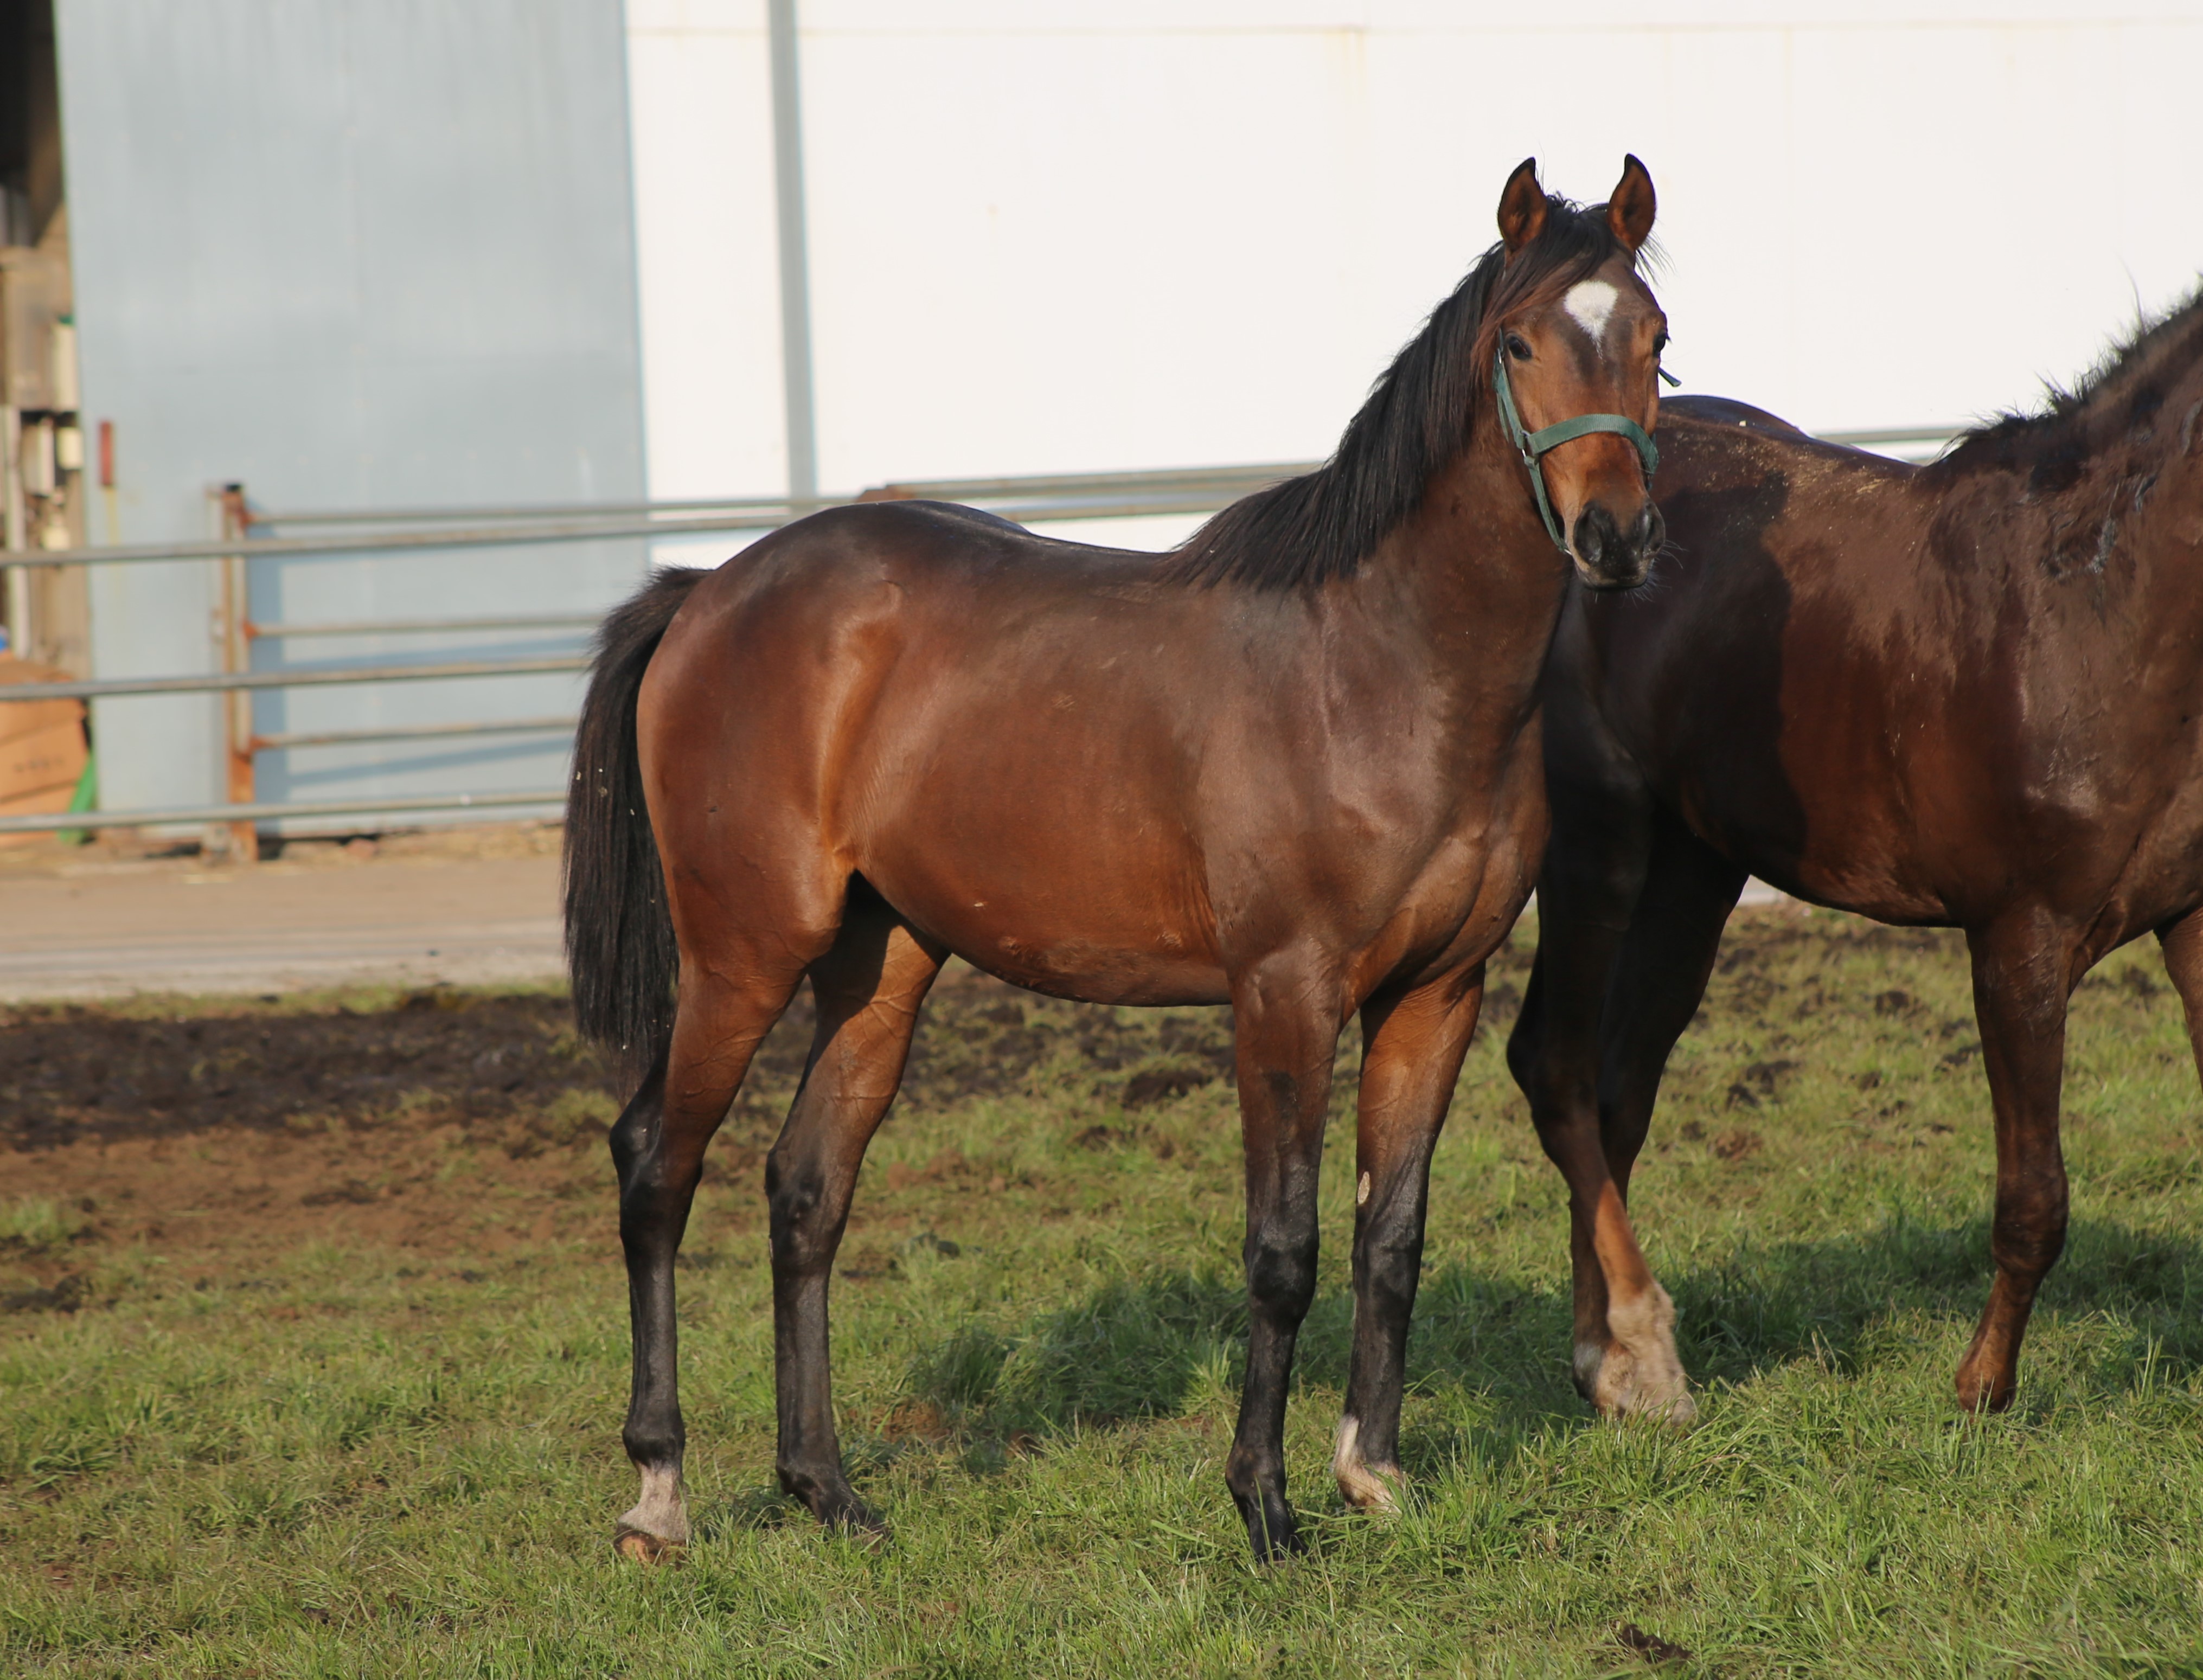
(1608,558)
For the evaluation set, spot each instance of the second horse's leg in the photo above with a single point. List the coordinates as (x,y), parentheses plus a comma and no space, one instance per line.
(1660,975)
(1601,888)
(2182,945)
(1413,1046)
(868,988)
(2023,976)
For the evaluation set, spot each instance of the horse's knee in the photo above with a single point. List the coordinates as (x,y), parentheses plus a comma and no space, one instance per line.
(797,1204)
(1281,1273)
(1390,1262)
(2028,1233)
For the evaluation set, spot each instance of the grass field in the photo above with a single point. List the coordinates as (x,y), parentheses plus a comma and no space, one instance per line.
(335,1389)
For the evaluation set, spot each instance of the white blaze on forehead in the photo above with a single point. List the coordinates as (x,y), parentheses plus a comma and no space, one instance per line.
(1589,303)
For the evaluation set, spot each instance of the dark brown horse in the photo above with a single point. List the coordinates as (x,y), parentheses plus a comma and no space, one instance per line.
(1968,694)
(1293,766)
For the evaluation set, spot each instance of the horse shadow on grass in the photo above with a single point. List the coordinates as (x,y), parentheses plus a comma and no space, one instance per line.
(1152,1346)
(1160,1344)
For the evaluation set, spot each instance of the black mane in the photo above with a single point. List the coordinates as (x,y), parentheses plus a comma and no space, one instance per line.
(2129,383)
(1323,524)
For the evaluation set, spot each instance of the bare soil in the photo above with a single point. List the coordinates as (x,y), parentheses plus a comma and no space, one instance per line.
(446,1122)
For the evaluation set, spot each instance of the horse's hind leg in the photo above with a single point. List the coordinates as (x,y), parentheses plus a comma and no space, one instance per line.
(1630,915)
(658,1145)
(1659,976)
(2022,977)
(1413,1048)
(868,988)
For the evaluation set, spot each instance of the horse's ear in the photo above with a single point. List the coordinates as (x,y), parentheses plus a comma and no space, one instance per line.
(1521,207)
(1629,212)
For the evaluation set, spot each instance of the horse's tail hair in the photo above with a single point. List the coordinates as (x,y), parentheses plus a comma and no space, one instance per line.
(620,948)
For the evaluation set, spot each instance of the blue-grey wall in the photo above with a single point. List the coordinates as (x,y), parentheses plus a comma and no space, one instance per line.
(356,253)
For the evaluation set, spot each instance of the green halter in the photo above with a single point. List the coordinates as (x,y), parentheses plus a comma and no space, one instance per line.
(1530,445)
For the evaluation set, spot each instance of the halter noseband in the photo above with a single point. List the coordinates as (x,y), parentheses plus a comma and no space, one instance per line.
(1530,445)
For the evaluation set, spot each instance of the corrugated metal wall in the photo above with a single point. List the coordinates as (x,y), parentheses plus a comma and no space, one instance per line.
(356,253)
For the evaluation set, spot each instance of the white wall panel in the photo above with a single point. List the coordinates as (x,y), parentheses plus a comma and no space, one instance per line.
(1072,235)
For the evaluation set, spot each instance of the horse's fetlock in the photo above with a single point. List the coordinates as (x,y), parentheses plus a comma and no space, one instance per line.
(655,1444)
(1247,1472)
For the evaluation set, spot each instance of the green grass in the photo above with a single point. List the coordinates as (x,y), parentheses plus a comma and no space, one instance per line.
(355,1461)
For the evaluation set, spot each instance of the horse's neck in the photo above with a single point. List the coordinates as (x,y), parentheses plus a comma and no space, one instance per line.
(2135,511)
(2118,497)
(1473,575)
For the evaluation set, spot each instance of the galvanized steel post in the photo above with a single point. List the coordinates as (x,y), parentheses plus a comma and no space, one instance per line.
(794,252)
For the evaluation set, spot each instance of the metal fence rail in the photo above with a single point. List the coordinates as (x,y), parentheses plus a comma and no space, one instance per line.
(232,681)
(64,821)
(1030,500)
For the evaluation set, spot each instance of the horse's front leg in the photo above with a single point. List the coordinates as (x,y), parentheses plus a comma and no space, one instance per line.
(2022,977)
(1413,1043)
(1286,1019)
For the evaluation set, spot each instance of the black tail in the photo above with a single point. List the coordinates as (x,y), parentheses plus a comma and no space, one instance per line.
(619,936)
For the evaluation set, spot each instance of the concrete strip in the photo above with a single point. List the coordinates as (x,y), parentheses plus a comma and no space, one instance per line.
(106,931)
(109,929)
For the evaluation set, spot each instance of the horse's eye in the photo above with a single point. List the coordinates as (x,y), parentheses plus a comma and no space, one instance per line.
(1518,347)
(1659,344)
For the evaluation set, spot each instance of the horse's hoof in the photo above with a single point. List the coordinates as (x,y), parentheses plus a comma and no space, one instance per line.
(1982,1393)
(863,1525)
(851,1518)
(1364,1486)
(1621,1385)
(1273,1536)
(1637,1374)
(638,1547)
(873,1536)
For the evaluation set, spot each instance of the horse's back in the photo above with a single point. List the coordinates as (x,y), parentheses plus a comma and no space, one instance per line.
(1766,677)
(1003,734)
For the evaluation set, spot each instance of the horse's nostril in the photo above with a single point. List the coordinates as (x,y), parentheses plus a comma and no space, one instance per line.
(1595,535)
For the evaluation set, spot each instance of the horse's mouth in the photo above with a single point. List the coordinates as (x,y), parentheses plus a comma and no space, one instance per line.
(1609,581)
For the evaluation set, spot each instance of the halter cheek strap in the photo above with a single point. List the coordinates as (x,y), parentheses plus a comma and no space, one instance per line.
(1530,445)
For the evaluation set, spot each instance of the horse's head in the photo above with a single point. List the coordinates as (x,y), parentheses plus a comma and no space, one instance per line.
(1575,372)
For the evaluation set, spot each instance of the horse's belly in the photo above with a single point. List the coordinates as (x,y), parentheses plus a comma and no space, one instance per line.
(1100,935)
(1082,956)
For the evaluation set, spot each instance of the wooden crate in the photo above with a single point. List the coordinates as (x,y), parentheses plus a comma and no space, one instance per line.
(42,744)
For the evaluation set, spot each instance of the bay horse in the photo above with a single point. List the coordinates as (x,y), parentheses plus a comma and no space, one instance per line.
(1966,694)
(1292,765)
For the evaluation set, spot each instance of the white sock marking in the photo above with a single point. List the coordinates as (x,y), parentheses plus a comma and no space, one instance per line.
(1360,1487)
(1346,1456)
(1589,304)
(661,1511)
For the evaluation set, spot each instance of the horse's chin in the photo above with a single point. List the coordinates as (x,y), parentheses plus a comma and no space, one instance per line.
(1611,581)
